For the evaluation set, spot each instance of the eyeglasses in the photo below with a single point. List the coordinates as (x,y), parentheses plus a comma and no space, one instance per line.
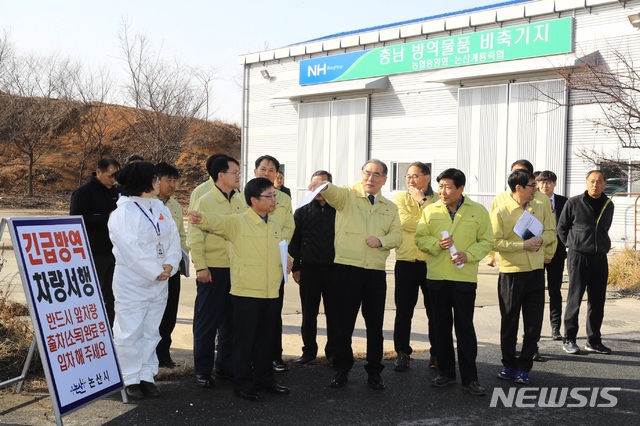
(531,185)
(374,175)
(237,174)
(415,177)
(272,196)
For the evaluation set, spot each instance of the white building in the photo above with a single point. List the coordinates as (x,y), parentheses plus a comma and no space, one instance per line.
(474,89)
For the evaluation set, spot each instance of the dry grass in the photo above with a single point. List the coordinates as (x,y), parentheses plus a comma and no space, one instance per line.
(624,271)
(16,332)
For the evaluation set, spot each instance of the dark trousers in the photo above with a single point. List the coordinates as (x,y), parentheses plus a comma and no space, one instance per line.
(254,324)
(316,281)
(555,269)
(411,277)
(520,291)
(453,305)
(277,324)
(213,315)
(168,322)
(586,272)
(105,265)
(366,287)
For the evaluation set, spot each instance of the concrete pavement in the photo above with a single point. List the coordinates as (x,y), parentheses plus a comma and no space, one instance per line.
(408,398)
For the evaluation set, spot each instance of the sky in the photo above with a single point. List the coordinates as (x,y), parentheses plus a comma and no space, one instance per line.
(198,33)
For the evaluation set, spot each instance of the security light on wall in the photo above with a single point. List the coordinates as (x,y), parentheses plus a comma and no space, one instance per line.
(265,74)
(634,19)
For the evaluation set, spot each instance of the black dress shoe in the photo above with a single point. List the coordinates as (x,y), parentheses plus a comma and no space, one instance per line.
(555,334)
(330,360)
(222,375)
(249,394)
(149,389)
(441,381)
(339,381)
(402,362)
(204,380)
(166,363)
(280,365)
(474,388)
(536,355)
(134,392)
(433,362)
(277,389)
(375,382)
(305,359)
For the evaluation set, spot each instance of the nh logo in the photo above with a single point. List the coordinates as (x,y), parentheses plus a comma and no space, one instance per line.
(316,69)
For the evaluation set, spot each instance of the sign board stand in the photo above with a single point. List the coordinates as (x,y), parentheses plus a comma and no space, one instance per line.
(71,329)
(27,363)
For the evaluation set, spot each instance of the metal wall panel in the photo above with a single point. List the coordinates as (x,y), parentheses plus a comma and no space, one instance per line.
(481,142)
(538,126)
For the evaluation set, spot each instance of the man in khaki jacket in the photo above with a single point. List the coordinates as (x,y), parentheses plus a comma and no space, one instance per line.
(522,257)
(256,275)
(456,233)
(267,167)
(212,310)
(168,177)
(411,265)
(367,227)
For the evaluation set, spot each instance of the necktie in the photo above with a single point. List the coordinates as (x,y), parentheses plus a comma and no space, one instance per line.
(553,207)
(372,198)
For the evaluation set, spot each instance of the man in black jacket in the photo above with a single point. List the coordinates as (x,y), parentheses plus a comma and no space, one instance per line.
(584,228)
(546,181)
(313,253)
(95,200)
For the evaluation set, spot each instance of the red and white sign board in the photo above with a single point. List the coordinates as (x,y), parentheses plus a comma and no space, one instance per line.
(71,328)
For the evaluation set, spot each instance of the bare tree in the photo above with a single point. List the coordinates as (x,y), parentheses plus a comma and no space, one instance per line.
(32,113)
(613,84)
(6,50)
(205,79)
(91,89)
(166,97)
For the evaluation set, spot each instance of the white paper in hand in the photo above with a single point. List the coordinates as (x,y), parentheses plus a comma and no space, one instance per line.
(452,249)
(310,196)
(284,252)
(528,226)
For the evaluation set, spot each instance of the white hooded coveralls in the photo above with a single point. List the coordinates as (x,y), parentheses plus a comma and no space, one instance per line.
(136,228)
